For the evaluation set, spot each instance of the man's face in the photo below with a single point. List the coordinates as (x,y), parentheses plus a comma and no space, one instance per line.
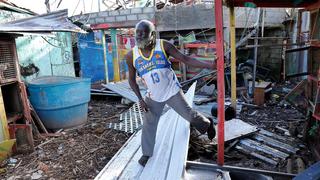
(143,36)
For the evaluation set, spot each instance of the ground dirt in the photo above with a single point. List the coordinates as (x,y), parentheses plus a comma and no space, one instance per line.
(78,153)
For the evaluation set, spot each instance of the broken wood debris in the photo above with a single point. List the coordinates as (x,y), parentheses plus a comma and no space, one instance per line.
(275,143)
(256,155)
(256,146)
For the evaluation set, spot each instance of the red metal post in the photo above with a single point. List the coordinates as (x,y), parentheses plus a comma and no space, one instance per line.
(220,68)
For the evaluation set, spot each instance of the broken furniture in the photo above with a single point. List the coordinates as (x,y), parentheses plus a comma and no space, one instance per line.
(14,107)
(260,90)
(60,102)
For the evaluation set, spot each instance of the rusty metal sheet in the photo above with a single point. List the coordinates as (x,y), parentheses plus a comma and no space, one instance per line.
(52,22)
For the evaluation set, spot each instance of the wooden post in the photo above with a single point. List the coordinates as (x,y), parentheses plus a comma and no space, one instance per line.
(233,59)
(115,58)
(220,74)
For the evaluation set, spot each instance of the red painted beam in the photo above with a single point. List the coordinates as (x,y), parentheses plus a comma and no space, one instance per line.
(123,24)
(220,76)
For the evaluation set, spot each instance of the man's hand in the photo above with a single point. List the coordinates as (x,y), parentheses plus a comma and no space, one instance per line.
(143,105)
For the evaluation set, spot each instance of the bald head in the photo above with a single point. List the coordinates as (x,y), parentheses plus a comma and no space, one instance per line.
(145,34)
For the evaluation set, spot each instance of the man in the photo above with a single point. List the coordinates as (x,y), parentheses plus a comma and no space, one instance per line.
(150,59)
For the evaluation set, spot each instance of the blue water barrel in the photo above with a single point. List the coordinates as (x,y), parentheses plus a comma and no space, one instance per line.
(61,102)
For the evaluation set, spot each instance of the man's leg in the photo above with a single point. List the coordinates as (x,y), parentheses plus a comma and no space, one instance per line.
(149,128)
(200,122)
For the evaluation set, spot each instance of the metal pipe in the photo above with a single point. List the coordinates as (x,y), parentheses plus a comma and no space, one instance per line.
(207,166)
(220,69)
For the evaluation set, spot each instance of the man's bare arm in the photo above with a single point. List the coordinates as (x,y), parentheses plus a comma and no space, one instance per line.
(132,75)
(174,52)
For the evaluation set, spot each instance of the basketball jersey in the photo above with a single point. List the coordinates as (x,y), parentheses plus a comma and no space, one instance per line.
(156,72)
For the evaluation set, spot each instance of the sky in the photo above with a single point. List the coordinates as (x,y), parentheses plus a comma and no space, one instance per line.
(74,6)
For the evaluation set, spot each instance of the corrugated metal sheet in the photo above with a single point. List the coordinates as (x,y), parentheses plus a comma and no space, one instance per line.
(170,152)
(52,22)
(123,88)
(4,5)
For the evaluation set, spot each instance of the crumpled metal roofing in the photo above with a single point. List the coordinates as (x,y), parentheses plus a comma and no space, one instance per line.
(5,5)
(52,22)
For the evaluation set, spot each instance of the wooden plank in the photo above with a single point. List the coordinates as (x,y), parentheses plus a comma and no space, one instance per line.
(256,155)
(256,146)
(276,136)
(236,128)
(275,143)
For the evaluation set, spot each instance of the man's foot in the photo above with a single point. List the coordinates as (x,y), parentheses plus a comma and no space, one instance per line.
(143,160)
(211,130)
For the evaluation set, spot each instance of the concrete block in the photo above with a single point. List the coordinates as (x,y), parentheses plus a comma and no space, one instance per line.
(121,18)
(145,16)
(110,19)
(103,14)
(132,17)
(148,10)
(100,20)
(210,6)
(114,13)
(92,21)
(124,11)
(136,10)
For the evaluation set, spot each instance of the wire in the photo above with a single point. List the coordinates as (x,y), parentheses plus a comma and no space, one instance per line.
(50,42)
(76,8)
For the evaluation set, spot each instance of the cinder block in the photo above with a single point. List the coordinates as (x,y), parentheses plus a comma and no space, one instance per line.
(92,21)
(124,11)
(136,10)
(103,14)
(132,17)
(121,18)
(100,20)
(145,16)
(110,19)
(148,10)
(114,13)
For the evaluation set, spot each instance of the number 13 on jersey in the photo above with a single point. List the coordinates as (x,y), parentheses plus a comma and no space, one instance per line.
(155,78)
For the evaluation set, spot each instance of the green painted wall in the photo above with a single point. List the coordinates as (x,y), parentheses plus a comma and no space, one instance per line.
(51,54)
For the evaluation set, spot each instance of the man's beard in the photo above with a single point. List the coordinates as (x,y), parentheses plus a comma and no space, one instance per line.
(145,42)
